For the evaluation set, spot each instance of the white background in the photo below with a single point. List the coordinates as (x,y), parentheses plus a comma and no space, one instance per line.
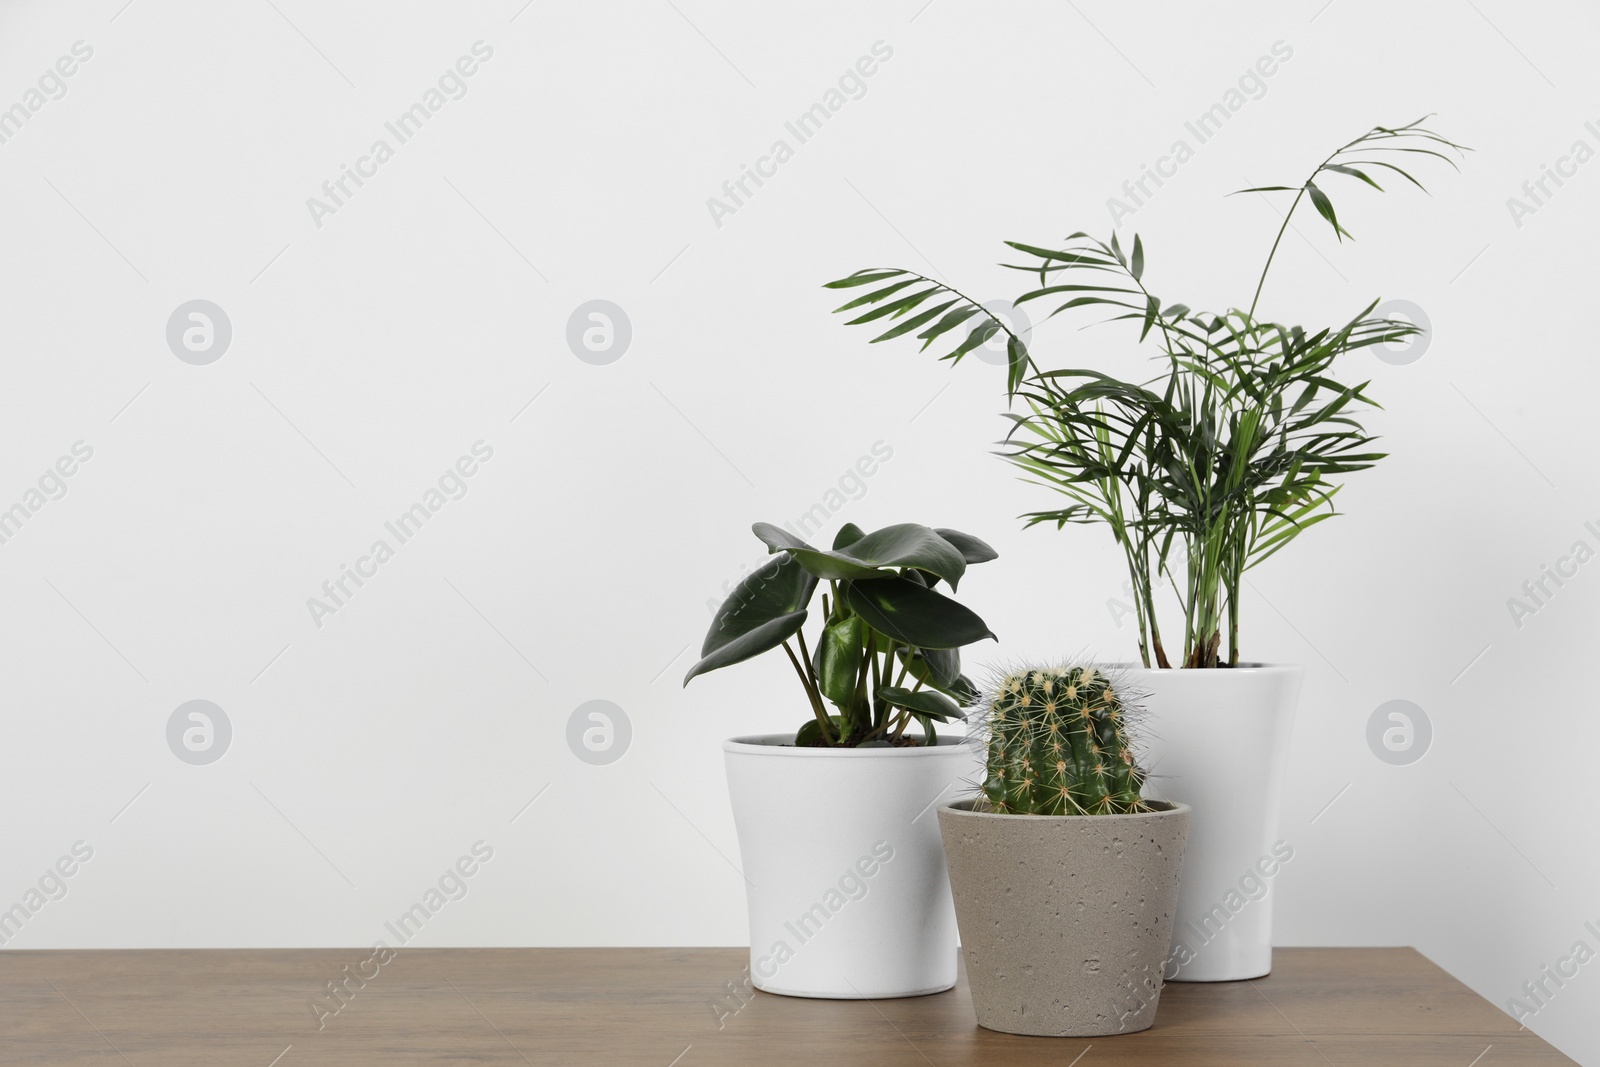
(372,351)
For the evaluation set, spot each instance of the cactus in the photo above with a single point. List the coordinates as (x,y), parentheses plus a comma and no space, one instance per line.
(1058,745)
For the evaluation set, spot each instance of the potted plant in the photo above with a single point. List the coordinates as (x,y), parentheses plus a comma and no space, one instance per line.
(1065,877)
(844,872)
(1204,471)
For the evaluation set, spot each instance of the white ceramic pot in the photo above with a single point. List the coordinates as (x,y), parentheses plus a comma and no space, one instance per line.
(844,869)
(1218,740)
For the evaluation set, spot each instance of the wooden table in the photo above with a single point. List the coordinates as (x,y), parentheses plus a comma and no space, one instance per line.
(659,1008)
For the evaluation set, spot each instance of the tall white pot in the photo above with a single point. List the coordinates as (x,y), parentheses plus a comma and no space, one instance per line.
(1218,740)
(844,868)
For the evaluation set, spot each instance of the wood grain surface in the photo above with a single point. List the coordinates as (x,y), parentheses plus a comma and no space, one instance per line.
(673,1008)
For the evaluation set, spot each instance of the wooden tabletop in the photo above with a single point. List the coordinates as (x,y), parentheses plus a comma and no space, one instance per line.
(673,1008)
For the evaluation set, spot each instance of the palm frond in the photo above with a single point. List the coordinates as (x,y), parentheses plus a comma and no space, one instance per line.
(904,301)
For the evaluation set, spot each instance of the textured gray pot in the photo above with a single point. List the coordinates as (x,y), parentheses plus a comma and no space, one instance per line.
(1065,919)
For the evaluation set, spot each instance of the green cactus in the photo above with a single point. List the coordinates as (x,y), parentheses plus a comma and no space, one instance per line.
(1058,745)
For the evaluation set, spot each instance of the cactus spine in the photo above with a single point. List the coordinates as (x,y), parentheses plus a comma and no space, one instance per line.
(1058,745)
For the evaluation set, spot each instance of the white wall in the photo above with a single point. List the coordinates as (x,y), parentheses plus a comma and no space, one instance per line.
(369,352)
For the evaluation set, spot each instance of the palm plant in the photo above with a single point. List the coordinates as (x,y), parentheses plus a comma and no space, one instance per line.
(1213,466)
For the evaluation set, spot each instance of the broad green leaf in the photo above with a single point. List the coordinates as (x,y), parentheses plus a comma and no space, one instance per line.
(776,538)
(940,668)
(874,555)
(913,614)
(761,613)
(811,733)
(848,534)
(779,587)
(837,659)
(932,704)
(971,548)
(751,643)
(962,690)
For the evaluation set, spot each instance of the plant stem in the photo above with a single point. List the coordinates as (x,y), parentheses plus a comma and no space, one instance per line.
(805,656)
(1150,609)
(1289,215)
(812,693)
(858,702)
(905,664)
(1268,266)
(879,710)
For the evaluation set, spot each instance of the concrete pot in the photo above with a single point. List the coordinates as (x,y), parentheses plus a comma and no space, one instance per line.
(1219,740)
(1065,919)
(844,871)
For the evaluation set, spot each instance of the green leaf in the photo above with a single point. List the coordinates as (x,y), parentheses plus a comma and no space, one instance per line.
(864,277)
(751,643)
(778,587)
(1136,261)
(940,668)
(946,324)
(896,307)
(761,613)
(811,733)
(971,548)
(848,534)
(962,690)
(910,545)
(913,322)
(874,555)
(926,701)
(875,296)
(1397,170)
(1016,364)
(979,335)
(776,538)
(1340,168)
(1324,207)
(913,614)
(837,659)
(1051,290)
